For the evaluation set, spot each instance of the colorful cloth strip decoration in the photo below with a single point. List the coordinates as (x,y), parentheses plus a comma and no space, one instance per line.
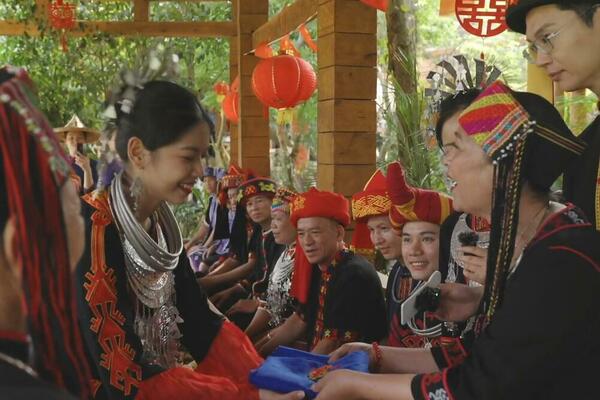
(493,119)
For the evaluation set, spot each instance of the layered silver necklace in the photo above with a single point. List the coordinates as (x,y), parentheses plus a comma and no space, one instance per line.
(149,266)
(483,241)
(279,285)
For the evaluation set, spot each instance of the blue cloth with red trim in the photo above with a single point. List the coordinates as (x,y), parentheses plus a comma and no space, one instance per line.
(288,370)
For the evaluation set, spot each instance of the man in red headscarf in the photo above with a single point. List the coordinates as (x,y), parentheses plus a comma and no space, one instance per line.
(340,294)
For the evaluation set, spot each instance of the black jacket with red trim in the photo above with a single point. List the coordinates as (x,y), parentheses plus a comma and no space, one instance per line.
(543,340)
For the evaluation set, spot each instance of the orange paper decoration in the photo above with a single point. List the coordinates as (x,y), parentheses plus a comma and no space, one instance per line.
(283,81)
(230,107)
(287,46)
(231,102)
(263,51)
(307,38)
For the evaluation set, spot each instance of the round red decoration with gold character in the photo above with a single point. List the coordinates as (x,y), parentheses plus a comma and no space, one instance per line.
(283,81)
(483,18)
(62,15)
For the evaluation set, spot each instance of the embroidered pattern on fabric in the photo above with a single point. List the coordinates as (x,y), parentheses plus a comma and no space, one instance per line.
(319,325)
(319,373)
(58,164)
(432,387)
(101,295)
(453,351)
(371,205)
(298,203)
(439,394)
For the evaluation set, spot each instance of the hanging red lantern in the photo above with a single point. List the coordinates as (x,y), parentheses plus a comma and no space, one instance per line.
(381,5)
(221,88)
(231,102)
(62,17)
(483,18)
(230,107)
(283,81)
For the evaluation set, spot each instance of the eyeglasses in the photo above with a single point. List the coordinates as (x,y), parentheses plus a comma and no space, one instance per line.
(545,45)
(542,45)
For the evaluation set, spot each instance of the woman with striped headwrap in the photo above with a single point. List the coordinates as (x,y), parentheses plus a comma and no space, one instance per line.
(536,337)
(41,349)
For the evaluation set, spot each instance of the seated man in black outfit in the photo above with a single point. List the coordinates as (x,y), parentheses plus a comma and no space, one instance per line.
(339,293)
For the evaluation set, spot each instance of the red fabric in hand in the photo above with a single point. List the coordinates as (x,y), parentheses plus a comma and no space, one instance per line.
(222,375)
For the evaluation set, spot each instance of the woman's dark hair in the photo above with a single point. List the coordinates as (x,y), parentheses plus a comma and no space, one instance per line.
(162,112)
(584,11)
(450,106)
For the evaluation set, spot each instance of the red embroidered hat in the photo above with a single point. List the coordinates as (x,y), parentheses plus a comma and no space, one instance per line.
(372,201)
(234,177)
(317,203)
(414,204)
(283,199)
(255,187)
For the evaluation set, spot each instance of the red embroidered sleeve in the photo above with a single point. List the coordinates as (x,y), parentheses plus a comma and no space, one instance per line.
(107,321)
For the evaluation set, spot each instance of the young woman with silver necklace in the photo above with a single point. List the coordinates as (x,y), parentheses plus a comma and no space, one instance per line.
(140,301)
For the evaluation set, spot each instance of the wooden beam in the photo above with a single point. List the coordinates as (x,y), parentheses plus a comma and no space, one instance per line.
(41,10)
(286,21)
(164,29)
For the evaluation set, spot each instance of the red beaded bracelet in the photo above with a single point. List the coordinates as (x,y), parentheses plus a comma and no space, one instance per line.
(378,357)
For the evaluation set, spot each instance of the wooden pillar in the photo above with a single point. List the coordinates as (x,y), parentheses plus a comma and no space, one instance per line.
(539,82)
(141,10)
(234,142)
(253,138)
(347,119)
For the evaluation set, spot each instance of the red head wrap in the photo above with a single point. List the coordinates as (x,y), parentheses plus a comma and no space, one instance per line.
(414,204)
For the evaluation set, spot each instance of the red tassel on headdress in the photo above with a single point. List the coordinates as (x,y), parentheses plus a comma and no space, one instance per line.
(302,275)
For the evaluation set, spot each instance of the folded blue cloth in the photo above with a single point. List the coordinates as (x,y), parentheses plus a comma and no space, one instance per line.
(288,370)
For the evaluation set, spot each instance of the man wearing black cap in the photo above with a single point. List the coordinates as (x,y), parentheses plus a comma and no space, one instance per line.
(564,40)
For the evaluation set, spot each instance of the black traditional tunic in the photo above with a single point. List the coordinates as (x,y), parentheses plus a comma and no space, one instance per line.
(542,342)
(269,252)
(400,286)
(106,310)
(346,302)
(582,178)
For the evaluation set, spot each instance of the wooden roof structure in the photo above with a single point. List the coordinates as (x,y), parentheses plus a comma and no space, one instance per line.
(347,75)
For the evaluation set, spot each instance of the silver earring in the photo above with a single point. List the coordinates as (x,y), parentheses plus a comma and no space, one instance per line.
(136,192)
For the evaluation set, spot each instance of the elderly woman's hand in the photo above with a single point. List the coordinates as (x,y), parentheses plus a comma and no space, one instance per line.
(340,384)
(269,395)
(474,260)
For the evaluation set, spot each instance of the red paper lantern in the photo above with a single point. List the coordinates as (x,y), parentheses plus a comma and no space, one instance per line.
(221,88)
(483,18)
(283,81)
(378,4)
(62,15)
(231,107)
